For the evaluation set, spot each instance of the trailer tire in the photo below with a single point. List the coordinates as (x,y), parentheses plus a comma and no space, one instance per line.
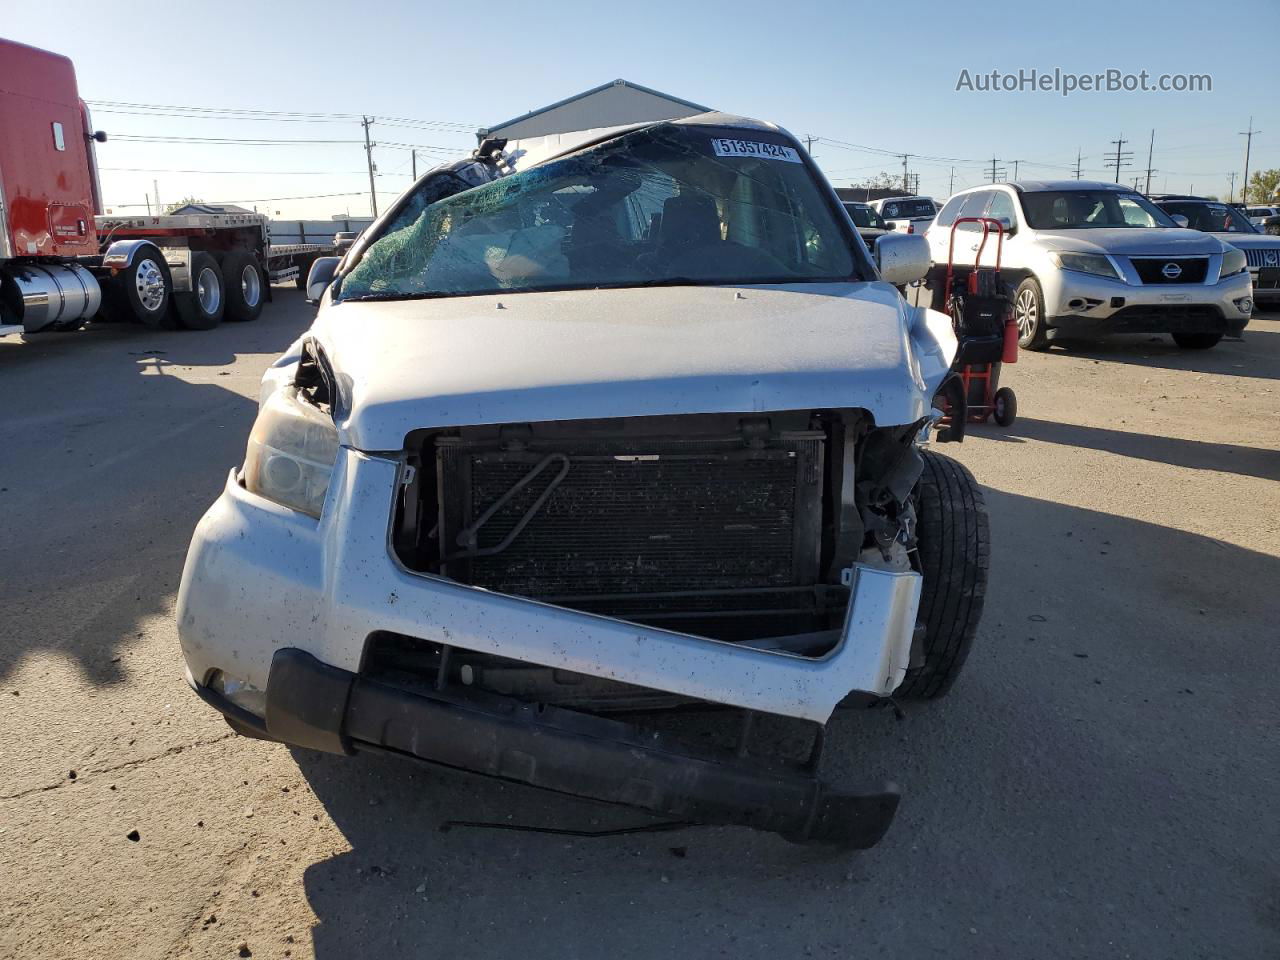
(245,286)
(201,308)
(143,291)
(954,551)
(304,268)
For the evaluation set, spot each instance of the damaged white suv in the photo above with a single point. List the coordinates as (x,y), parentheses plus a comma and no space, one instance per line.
(587,430)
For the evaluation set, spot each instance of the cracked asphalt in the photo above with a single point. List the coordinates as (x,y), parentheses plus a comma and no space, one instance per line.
(1102,782)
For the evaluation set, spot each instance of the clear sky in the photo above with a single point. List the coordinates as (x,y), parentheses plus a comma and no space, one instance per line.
(876,75)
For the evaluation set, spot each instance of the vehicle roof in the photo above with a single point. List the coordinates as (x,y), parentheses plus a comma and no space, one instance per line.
(1032,186)
(530,152)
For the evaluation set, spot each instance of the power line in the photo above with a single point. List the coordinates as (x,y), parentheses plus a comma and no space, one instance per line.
(238,113)
(256,173)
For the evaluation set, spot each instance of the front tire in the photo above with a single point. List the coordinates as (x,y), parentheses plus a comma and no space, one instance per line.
(954,553)
(143,290)
(1196,341)
(201,308)
(1028,313)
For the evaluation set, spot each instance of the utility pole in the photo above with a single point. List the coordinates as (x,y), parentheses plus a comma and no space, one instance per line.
(1078,158)
(1248,143)
(996,173)
(415,165)
(906,182)
(1121,158)
(148,199)
(951,187)
(808,144)
(368,155)
(1150,149)
(1015,169)
(155,185)
(1232,198)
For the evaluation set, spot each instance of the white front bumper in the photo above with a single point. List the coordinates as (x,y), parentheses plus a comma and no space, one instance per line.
(259,577)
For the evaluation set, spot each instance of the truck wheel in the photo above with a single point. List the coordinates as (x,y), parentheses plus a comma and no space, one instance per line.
(1028,311)
(245,286)
(954,550)
(1196,341)
(201,308)
(143,289)
(304,268)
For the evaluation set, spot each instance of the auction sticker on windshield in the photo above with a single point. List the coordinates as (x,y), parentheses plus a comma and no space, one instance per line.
(725,147)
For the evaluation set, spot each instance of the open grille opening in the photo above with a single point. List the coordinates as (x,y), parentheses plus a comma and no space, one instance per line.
(716,535)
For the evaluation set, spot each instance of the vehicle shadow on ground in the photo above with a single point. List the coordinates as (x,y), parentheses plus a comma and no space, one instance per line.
(1257,356)
(1195,454)
(134,438)
(1076,710)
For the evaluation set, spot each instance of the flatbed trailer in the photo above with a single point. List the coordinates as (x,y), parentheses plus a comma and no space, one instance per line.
(63,262)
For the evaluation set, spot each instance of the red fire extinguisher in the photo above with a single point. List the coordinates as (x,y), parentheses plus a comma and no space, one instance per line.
(1010,354)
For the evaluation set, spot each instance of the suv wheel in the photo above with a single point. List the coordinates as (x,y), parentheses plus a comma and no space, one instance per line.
(1028,312)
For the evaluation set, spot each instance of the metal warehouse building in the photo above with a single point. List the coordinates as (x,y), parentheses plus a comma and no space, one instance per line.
(608,105)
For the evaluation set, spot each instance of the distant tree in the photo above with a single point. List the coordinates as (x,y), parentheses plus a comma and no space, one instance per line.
(169,208)
(1263,185)
(882,181)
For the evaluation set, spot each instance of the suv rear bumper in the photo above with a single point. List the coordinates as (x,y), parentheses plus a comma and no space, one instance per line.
(312,704)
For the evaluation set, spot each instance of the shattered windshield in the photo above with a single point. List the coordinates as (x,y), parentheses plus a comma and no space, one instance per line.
(664,205)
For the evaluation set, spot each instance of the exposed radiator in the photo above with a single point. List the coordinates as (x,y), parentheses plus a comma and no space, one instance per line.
(655,527)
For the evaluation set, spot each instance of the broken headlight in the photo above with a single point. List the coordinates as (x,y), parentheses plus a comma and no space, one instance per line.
(291,453)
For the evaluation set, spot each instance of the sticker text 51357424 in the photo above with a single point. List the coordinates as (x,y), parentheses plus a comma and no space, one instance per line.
(724,147)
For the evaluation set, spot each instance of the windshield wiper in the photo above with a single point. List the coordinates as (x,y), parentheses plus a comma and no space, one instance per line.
(674,282)
(366,297)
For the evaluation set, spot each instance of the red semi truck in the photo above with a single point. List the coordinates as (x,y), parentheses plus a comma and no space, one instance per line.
(62,262)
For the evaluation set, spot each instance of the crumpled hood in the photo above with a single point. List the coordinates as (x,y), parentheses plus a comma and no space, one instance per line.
(1132,241)
(583,354)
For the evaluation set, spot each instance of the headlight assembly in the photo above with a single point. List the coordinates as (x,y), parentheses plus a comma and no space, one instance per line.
(1094,264)
(1233,262)
(291,453)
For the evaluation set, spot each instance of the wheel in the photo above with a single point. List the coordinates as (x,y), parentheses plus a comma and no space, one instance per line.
(954,551)
(201,308)
(245,286)
(1028,312)
(1006,406)
(1196,341)
(304,268)
(142,291)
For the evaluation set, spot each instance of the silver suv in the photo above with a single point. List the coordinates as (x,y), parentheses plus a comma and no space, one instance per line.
(1090,259)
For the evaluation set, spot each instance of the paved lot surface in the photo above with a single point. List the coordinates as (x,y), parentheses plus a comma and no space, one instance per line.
(1103,782)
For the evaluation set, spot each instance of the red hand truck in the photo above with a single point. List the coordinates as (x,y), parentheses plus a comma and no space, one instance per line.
(982,317)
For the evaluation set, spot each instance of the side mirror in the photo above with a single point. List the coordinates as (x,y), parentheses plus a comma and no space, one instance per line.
(320,276)
(902,257)
(1010,228)
(1180,220)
